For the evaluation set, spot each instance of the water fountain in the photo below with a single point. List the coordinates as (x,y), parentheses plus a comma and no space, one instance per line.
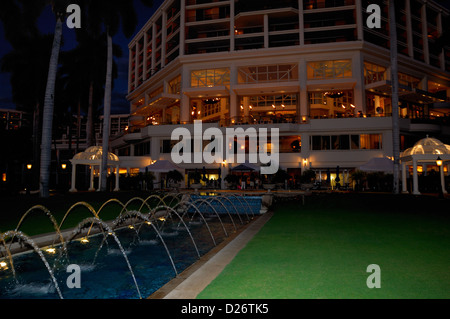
(155,214)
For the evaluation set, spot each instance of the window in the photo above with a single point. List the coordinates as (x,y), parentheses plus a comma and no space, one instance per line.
(210,78)
(329,69)
(290,144)
(373,73)
(370,141)
(175,85)
(346,142)
(268,73)
(142,149)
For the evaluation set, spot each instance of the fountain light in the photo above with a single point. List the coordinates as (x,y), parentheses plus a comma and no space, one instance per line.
(3,265)
(51,250)
(148,223)
(131,227)
(162,219)
(84,240)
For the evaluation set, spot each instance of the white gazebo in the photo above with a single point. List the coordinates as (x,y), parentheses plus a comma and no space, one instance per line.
(426,151)
(92,156)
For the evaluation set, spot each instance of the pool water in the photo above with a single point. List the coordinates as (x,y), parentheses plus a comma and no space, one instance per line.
(104,272)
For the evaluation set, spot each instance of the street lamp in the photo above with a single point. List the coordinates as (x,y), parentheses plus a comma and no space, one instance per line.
(439,164)
(63,166)
(29,166)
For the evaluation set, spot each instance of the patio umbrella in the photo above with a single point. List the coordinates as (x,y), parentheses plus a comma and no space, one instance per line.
(378,164)
(162,166)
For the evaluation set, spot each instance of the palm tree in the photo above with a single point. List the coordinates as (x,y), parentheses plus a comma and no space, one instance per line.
(59,9)
(394,83)
(111,14)
(28,73)
(83,72)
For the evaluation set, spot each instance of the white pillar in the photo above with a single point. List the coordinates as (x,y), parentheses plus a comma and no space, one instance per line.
(74,174)
(100,178)
(404,188)
(441,169)
(415,179)
(91,186)
(116,189)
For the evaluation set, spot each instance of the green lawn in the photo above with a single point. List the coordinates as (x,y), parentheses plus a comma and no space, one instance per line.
(322,250)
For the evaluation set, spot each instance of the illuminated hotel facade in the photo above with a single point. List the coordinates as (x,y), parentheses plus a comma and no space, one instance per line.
(311,68)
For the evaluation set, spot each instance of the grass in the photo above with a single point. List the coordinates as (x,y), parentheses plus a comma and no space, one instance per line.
(13,208)
(322,250)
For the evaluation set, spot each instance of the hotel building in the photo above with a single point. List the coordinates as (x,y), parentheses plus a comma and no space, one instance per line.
(314,69)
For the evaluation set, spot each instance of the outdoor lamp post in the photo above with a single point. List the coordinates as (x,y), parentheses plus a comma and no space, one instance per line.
(28,177)
(441,173)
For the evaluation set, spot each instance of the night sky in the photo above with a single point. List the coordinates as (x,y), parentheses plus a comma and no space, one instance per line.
(47,25)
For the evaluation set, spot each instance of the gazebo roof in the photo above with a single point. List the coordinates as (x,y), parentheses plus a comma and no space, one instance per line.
(93,155)
(428,145)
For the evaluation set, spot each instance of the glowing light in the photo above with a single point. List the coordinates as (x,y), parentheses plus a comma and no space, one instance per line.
(148,223)
(3,265)
(439,161)
(29,166)
(273,105)
(131,227)
(84,240)
(51,250)
(162,219)
(352,106)
(63,166)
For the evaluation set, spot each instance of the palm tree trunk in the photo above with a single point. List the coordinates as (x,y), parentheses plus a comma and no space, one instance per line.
(394,83)
(106,114)
(90,118)
(46,144)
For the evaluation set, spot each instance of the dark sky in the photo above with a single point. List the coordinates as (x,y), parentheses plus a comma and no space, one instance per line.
(47,25)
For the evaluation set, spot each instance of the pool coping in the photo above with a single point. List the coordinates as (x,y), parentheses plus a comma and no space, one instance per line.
(198,276)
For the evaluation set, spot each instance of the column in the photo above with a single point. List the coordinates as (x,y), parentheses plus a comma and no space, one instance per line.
(246,110)
(116,189)
(441,172)
(153,49)
(144,63)
(74,174)
(440,30)
(163,38)
(359,90)
(91,185)
(303,98)
(182,27)
(423,17)
(404,186)
(232,14)
(301,23)
(266,31)
(233,95)
(415,179)
(136,65)
(359,21)
(409,28)
(100,178)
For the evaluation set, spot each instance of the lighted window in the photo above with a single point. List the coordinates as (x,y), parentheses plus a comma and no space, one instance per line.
(374,73)
(175,85)
(370,141)
(210,78)
(268,73)
(329,69)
